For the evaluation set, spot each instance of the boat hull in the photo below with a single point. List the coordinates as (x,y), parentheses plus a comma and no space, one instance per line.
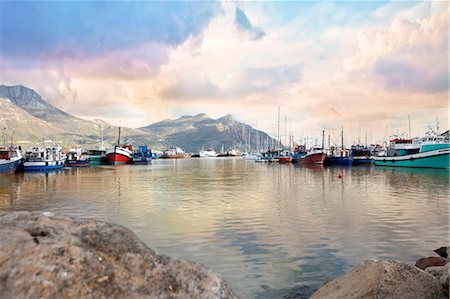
(342,161)
(432,159)
(285,159)
(9,166)
(42,166)
(317,158)
(361,160)
(77,163)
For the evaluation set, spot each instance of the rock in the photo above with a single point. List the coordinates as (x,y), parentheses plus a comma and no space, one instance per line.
(54,256)
(431,261)
(444,279)
(382,279)
(442,251)
(437,271)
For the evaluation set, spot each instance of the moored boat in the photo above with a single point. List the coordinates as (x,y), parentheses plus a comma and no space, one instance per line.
(10,159)
(315,155)
(75,158)
(429,152)
(361,155)
(209,153)
(299,152)
(174,153)
(338,156)
(142,155)
(96,156)
(42,159)
(119,154)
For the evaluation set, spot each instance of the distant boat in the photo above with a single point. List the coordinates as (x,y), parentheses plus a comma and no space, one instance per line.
(41,159)
(142,155)
(361,155)
(10,159)
(315,155)
(234,153)
(96,156)
(174,153)
(299,152)
(250,156)
(75,158)
(119,154)
(209,153)
(431,151)
(338,156)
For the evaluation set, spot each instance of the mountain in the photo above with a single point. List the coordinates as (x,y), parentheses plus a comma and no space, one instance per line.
(194,132)
(29,118)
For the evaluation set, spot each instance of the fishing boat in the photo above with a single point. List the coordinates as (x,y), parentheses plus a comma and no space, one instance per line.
(285,157)
(10,159)
(338,156)
(431,151)
(361,155)
(142,155)
(209,153)
(119,154)
(42,159)
(234,153)
(174,153)
(315,155)
(75,158)
(250,156)
(299,152)
(96,156)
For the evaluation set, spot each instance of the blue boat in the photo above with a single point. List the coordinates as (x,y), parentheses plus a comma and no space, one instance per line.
(42,159)
(142,155)
(10,159)
(361,155)
(298,153)
(75,158)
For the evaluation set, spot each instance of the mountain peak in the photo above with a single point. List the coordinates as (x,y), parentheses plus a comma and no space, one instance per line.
(227,118)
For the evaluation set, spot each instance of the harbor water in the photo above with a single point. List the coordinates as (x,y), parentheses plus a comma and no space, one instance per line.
(269,229)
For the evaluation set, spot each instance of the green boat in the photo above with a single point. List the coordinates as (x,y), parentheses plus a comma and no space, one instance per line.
(428,152)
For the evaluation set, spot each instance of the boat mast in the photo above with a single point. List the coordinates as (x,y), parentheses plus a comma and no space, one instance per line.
(4,136)
(437,126)
(118,140)
(323,139)
(342,137)
(278,136)
(409,125)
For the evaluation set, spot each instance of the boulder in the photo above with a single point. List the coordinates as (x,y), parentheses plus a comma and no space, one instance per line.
(444,279)
(431,261)
(382,279)
(442,251)
(53,256)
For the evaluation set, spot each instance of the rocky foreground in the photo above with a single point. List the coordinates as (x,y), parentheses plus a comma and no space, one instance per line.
(43,255)
(52,256)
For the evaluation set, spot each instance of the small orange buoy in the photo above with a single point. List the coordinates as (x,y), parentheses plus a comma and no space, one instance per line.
(340,175)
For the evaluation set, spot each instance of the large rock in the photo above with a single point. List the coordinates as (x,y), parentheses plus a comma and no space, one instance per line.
(382,279)
(52,256)
(442,251)
(431,261)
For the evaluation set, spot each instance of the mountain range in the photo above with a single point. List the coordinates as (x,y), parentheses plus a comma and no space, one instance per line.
(29,119)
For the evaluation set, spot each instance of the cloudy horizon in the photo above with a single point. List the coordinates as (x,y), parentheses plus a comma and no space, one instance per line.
(366,66)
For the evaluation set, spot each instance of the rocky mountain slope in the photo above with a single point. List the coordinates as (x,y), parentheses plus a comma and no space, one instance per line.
(29,118)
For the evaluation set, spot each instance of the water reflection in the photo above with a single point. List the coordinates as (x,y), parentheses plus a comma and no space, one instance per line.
(269,229)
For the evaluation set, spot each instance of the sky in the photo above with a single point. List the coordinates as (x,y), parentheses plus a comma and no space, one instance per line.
(361,65)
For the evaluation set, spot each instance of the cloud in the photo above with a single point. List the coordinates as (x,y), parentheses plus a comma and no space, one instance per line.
(245,26)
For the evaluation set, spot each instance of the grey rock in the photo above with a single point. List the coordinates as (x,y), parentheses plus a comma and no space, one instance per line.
(382,279)
(53,256)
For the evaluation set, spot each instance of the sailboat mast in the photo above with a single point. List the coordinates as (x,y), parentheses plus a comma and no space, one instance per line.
(278,135)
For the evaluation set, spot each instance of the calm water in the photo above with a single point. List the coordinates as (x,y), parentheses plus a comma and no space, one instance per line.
(268,229)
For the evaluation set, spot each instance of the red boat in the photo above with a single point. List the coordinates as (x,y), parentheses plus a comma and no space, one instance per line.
(315,156)
(285,159)
(119,154)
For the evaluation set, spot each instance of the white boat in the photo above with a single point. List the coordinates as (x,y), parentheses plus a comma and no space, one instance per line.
(208,153)
(40,159)
(250,156)
(10,159)
(119,154)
